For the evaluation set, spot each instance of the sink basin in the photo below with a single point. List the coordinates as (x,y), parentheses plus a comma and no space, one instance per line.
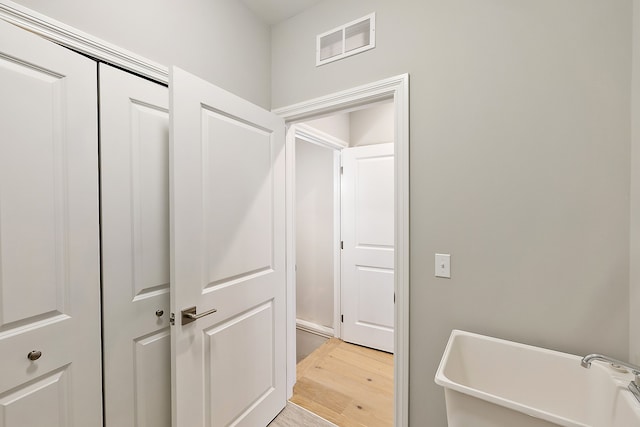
(491,382)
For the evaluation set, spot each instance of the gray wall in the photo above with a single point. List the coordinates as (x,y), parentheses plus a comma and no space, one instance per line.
(373,125)
(314,233)
(336,125)
(219,40)
(519,156)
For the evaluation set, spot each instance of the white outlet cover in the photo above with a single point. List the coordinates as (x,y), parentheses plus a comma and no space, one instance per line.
(443,265)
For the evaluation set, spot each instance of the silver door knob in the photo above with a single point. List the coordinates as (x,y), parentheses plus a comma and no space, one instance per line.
(34,355)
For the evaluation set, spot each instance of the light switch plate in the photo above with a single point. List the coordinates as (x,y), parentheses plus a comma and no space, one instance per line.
(443,265)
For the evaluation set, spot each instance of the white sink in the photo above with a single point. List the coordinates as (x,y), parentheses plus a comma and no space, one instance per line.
(491,382)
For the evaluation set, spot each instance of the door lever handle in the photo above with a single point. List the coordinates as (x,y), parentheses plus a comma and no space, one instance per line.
(189,314)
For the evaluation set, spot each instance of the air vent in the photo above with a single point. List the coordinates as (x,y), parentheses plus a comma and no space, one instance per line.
(346,40)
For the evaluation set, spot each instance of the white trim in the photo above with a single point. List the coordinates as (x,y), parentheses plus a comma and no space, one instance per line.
(80,41)
(290,254)
(310,134)
(396,88)
(401,359)
(344,100)
(314,328)
(337,237)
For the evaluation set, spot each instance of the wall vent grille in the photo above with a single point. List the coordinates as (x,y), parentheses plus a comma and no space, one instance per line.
(348,39)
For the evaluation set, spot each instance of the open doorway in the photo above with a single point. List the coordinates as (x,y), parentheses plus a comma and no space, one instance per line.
(344,226)
(344,220)
(394,90)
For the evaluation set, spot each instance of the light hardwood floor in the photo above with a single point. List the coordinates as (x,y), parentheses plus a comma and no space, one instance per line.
(349,385)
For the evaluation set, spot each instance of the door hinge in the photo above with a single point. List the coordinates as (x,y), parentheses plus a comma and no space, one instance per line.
(342,318)
(341,244)
(172,319)
(341,170)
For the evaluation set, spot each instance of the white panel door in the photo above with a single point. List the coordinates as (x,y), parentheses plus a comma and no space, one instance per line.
(368,245)
(134,168)
(49,235)
(227,254)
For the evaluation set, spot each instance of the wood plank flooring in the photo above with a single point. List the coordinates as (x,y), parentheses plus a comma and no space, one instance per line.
(349,385)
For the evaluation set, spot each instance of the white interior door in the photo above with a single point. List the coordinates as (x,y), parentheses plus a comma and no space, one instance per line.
(228,255)
(49,235)
(368,245)
(134,167)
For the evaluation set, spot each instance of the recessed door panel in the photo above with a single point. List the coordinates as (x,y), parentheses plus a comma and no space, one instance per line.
(44,401)
(242,232)
(375,297)
(33,197)
(150,197)
(374,203)
(152,377)
(235,343)
(49,247)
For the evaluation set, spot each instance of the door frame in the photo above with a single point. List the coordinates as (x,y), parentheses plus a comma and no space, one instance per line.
(314,136)
(397,89)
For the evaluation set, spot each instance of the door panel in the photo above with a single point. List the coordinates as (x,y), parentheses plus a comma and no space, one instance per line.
(368,236)
(49,395)
(374,284)
(373,197)
(152,379)
(227,249)
(49,257)
(33,222)
(240,240)
(226,399)
(150,190)
(135,249)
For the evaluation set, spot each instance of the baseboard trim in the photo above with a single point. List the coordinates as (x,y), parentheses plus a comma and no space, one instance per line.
(314,328)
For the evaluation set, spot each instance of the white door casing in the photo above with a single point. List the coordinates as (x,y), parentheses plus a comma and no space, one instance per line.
(396,88)
(49,235)
(134,157)
(314,136)
(315,242)
(228,254)
(368,252)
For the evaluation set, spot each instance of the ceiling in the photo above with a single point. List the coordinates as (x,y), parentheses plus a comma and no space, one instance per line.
(274,11)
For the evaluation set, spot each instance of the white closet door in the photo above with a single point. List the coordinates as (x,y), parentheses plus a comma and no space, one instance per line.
(368,237)
(49,247)
(228,243)
(134,160)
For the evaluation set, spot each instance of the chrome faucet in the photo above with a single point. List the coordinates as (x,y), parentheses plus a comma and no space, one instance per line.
(634,385)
